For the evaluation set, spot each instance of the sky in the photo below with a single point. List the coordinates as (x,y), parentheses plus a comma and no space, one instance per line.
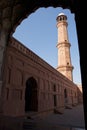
(39,33)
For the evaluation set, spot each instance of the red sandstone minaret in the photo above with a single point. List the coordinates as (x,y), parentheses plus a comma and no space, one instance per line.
(64,59)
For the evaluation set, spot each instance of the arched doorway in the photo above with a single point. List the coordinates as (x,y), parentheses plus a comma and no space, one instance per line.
(65,96)
(31,101)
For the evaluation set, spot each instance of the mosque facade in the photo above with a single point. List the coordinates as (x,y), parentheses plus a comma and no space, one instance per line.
(30,84)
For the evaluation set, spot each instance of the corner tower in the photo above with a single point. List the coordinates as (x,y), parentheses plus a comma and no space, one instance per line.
(64,59)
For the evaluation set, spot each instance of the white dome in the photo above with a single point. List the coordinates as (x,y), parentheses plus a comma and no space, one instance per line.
(61,14)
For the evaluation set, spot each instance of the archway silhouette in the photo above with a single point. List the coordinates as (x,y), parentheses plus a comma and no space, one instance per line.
(65,93)
(65,96)
(20,9)
(31,101)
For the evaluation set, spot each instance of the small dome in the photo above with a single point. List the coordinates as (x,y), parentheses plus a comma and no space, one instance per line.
(61,14)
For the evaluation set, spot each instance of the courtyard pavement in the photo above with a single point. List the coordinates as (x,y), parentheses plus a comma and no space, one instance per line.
(71,119)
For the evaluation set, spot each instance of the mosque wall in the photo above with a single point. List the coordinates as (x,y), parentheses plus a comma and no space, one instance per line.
(52,91)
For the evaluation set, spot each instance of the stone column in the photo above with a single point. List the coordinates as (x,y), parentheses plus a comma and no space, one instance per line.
(5,28)
(2,49)
(3,43)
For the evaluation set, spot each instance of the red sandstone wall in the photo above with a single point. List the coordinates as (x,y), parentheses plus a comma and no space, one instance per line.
(20,64)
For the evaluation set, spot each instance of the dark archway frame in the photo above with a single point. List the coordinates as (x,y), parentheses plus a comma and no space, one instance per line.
(12,12)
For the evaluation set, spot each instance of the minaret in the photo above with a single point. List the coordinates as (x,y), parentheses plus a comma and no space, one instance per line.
(64,60)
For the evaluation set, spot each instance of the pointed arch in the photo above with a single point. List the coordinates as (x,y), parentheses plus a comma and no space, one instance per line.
(65,93)
(31,99)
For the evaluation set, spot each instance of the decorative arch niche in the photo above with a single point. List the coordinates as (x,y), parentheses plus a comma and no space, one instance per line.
(31,98)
